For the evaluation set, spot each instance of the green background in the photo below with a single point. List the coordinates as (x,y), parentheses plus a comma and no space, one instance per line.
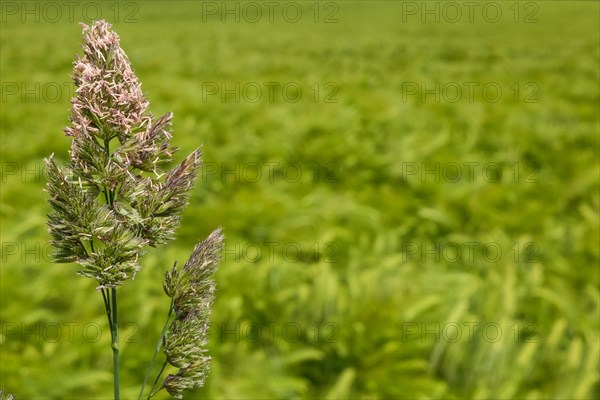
(369,308)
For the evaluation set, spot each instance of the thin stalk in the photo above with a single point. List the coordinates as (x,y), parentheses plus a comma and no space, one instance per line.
(156,349)
(115,342)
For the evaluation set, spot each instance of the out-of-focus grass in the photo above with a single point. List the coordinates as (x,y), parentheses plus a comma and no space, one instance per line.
(377,321)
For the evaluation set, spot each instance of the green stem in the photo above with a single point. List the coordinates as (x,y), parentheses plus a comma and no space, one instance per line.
(115,342)
(156,349)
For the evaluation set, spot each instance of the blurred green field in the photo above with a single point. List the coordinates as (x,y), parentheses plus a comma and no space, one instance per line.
(331,285)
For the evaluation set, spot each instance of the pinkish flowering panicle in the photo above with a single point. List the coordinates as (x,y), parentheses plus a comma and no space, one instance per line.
(113,198)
